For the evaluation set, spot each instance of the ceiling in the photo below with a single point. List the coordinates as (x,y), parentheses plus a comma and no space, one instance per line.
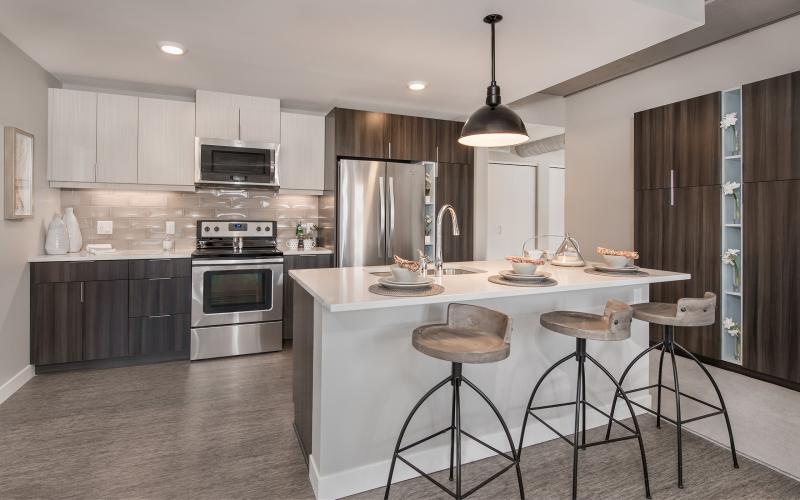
(317,54)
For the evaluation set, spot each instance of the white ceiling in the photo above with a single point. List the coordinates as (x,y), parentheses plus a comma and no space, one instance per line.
(317,54)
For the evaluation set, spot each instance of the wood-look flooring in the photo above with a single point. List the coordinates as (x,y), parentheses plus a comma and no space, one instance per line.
(222,429)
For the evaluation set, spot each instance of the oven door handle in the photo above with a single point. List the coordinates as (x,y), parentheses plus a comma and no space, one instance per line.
(236,262)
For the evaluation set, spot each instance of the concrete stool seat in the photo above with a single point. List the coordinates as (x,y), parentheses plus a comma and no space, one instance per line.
(614,324)
(472,334)
(687,312)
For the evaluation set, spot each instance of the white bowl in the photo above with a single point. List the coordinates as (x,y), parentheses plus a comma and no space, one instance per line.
(403,275)
(524,268)
(616,261)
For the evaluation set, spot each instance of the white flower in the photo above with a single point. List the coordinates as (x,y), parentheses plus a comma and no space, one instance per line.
(728,323)
(731,327)
(728,120)
(730,187)
(729,256)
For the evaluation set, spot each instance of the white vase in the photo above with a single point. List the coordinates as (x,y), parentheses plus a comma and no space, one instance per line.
(73,230)
(57,242)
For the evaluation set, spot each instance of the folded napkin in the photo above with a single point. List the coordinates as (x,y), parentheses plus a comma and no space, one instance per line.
(631,254)
(411,265)
(517,259)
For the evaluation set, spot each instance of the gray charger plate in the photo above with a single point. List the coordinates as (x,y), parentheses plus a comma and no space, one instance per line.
(497,279)
(419,292)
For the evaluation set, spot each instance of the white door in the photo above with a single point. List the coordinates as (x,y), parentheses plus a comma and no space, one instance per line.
(166,142)
(117,132)
(72,135)
(301,161)
(259,119)
(511,208)
(555,207)
(217,115)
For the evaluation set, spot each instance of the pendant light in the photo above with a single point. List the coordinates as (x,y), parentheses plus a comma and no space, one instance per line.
(494,124)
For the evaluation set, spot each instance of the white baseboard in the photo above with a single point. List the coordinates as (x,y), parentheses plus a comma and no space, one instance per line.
(14,383)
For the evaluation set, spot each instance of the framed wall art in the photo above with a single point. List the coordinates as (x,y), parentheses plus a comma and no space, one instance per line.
(18,173)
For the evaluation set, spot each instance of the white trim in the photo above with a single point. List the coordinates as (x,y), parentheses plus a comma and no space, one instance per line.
(14,383)
(120,186)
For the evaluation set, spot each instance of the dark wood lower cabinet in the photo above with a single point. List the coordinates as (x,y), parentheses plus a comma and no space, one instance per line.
(56,323)
(159,334)
(771,278)
(105,319)
(159,296)
(682,237)
(455,185)
(303,365)
(297,262)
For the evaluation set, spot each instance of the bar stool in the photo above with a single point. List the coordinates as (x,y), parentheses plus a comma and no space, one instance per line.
(472,334)
(687,312)
(614,324)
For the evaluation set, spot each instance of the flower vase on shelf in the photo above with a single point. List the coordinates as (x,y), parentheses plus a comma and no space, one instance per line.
(735,146)
(737,354)
(736,279)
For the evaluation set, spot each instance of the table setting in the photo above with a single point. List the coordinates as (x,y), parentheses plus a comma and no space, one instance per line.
(408,279)
(524,272)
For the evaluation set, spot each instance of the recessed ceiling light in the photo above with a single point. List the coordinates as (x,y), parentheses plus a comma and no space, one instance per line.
(416,85)
(172,48)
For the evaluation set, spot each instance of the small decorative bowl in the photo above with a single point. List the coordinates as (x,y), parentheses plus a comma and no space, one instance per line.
(526,268)
(616,261)
(403,275)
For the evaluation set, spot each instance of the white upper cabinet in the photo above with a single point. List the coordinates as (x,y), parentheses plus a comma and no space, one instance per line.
(166,142)
(72,135)
(301,160)
(231,116)
(117,132)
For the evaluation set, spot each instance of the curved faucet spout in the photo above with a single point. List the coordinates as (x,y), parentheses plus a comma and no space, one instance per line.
(456,232)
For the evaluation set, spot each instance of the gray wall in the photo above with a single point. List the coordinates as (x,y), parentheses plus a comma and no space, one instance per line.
(23,104)
(599,124)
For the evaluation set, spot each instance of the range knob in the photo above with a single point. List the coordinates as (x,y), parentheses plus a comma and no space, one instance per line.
(216,228)
(258,228)
(206,229)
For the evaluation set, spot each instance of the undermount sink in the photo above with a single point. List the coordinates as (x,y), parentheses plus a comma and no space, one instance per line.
(447,271)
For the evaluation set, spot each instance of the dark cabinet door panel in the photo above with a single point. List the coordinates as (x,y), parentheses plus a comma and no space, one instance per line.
(297,262)
(56,323)
(360,133)
(771,131)
(455,185)
(696,152)
(159,296)
(653,147)
(159,335)
(105,324)
(410,138)
(450,150)
(159,268)
(54,272)
(771,278)
(691,242)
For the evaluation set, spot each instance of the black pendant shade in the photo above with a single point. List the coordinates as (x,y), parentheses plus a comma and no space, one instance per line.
(493,124)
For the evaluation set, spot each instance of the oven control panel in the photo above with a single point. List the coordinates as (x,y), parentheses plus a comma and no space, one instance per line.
(229,228)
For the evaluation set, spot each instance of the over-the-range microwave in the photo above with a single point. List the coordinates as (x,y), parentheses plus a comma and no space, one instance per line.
(231,162)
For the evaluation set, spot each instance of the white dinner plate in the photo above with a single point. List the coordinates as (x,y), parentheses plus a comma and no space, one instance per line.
(606,269)
(397,285)
(511,275)
(421,280)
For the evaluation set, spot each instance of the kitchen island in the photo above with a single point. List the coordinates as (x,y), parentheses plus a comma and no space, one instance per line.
(356,375)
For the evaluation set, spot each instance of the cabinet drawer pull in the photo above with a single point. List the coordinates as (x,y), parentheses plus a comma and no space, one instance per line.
(81,291)
(156,260)
(156,279)
(160,316)
(672,188)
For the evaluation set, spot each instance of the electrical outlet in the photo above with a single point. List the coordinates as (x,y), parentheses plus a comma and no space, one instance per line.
(170,227)
(105,227)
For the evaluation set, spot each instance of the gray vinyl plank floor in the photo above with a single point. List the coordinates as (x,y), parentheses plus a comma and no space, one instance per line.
(222,429)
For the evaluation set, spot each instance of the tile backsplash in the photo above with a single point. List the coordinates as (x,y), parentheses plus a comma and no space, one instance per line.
(140,217)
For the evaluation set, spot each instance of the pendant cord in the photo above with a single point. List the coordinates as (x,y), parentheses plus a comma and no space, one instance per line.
(494,82)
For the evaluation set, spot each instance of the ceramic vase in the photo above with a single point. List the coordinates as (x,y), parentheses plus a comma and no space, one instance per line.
(73,230)
(57,241)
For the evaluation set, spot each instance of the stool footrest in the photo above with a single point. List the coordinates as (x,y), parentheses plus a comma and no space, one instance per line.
(404,448)
(672,420)
(633,432)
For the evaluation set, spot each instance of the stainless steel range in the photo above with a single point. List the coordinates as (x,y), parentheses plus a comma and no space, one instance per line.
(237,289)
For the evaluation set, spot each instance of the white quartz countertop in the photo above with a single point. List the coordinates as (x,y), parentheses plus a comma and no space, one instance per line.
(313,251)
(346,289)
(120,255)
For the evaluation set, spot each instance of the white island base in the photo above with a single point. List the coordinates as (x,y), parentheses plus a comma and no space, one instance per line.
(367,376)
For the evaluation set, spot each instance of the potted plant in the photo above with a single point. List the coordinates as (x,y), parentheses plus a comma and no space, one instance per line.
(729,257)
(729,189)
(729,122)
(735,331)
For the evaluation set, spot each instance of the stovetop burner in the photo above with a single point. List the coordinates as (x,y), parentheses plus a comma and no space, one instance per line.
(236,239)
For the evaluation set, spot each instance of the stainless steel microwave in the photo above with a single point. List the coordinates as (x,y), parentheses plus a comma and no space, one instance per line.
(231,162)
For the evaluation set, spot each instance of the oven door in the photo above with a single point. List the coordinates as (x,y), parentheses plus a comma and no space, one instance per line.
(228,291)
(233,162)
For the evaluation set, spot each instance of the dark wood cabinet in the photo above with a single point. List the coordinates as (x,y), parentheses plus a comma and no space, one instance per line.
(678,144)
(58,272)
(771,132)
(771,278)
(160,296)
(360,134)
(105,319)
(159,268)
(448,147)
(682,237)
(410,138)
(159,334)
(298,262)
(455,185)
(56,323)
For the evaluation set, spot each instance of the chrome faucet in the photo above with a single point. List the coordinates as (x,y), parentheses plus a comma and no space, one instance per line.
(454,219)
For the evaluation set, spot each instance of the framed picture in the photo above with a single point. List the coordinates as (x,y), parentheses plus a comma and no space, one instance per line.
(18,173)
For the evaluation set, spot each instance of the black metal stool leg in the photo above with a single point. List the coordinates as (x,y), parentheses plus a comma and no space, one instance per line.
(622,379)
(533,394)
(633,417)
(452,432)
(721,401)
(660,369)
(405,426)
(505,429)
(580,355)
(678,422)
(583,408)
(457,389)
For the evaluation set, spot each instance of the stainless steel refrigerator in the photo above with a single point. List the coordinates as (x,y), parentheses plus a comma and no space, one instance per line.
(380,212)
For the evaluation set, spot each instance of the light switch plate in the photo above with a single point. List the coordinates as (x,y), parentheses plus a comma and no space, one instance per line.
(105,227)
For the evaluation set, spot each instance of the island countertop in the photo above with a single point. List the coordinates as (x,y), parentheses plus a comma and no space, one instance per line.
(347,289)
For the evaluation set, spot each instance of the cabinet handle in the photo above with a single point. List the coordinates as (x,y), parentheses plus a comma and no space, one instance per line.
(672,188)
(160,316)
(81,292)
(437,154)
(158,279)
(390,149)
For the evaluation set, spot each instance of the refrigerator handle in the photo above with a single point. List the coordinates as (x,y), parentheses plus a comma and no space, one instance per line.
(389,247)
(382,234)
